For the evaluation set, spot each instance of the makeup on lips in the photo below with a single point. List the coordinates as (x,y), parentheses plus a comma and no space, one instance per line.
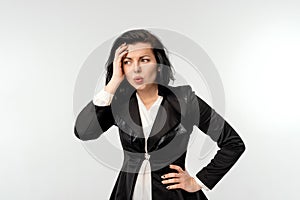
(138,80)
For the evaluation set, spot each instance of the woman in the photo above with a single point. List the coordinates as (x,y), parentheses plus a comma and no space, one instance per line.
(155,121)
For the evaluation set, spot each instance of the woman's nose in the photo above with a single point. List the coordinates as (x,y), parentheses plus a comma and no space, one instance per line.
(136,67)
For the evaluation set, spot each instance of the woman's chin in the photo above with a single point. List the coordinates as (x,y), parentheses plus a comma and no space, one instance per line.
(143,87)
(140,87)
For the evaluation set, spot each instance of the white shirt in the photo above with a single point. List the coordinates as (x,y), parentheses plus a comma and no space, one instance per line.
(143,185)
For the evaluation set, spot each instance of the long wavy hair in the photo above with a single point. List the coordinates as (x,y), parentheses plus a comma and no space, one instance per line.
(160,52)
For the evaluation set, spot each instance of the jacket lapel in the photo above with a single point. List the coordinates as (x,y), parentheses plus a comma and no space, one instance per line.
(168,117)
(128,115)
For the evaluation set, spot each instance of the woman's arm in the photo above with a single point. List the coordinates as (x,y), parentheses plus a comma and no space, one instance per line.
(95,118)
(230,143)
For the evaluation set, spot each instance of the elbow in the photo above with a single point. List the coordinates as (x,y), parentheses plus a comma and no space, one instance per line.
(86,135)
(237,148)
(77,134)
(241,148)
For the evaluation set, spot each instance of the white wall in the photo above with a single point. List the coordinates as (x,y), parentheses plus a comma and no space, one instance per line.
(43,45)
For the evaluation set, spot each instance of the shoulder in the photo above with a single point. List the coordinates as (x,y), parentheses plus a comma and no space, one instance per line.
(183,92)
(186,95)
(182,98)
(179,96)
(180,88)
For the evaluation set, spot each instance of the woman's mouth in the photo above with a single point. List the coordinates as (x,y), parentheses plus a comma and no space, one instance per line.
(138,80)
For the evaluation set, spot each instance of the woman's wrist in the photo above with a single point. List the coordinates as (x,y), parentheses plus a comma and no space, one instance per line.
(197,186)
(112,85)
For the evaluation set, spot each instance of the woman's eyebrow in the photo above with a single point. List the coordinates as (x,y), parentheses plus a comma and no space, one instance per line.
(140,57)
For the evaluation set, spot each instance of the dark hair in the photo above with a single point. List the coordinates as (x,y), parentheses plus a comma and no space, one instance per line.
(160,52)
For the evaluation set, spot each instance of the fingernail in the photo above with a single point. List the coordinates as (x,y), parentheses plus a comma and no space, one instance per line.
(162,176)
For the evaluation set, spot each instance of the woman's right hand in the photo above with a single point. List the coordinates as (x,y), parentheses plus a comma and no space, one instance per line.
(118,73)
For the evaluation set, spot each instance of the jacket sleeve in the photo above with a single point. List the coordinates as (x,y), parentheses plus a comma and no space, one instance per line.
(94,119)
(230,143)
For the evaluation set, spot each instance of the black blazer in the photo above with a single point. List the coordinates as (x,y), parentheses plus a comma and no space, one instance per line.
(167,144)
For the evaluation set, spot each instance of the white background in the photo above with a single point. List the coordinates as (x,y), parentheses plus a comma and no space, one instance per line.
(254,44)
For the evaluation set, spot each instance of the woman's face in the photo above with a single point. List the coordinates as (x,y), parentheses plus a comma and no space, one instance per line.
(140,66)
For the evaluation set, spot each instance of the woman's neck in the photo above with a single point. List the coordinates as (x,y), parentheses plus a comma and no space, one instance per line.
(148,94)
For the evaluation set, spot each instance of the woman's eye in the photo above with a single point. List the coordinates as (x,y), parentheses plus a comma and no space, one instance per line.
(125,62)
(145,60)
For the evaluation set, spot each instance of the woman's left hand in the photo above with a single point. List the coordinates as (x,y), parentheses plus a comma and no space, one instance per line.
(182,180)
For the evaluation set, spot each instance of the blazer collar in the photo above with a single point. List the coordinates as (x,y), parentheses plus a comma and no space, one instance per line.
(168,115)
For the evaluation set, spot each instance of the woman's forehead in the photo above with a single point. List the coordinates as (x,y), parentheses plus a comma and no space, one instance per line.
(139,47)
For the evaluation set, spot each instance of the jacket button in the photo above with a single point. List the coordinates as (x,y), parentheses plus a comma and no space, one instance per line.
(147,156)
